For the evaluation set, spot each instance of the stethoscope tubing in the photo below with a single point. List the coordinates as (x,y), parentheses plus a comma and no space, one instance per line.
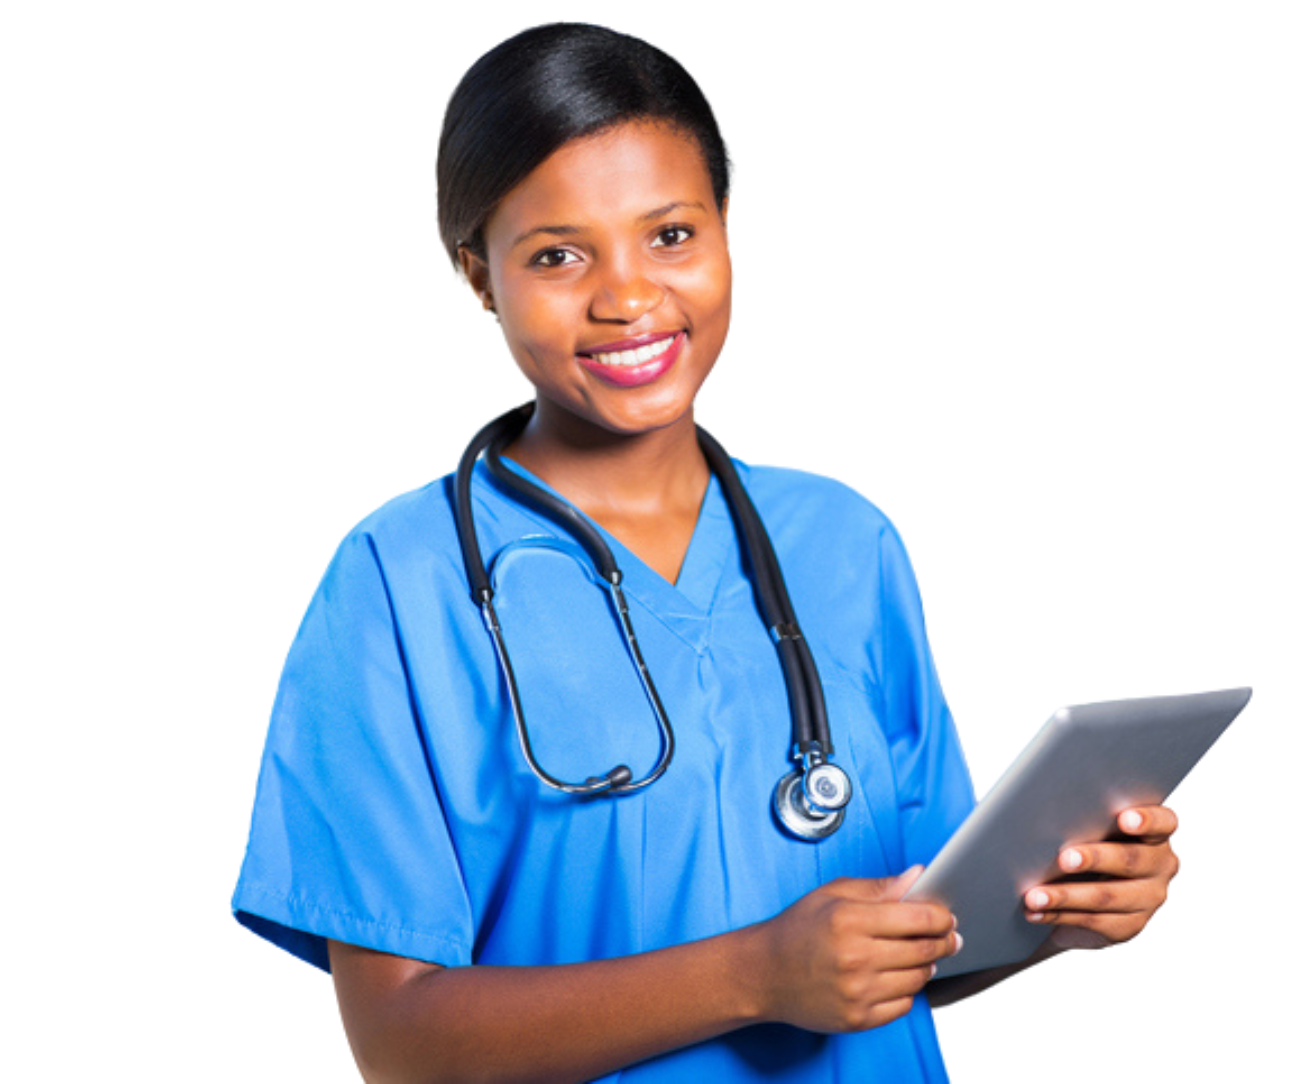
(811,730)
(803,684)
(489,440)
(464,517)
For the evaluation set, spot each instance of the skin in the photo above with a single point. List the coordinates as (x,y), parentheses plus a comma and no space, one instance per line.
(613,237)
(616,237)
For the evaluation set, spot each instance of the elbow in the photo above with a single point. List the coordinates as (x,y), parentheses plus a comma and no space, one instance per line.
(390,1007)
(386,1060)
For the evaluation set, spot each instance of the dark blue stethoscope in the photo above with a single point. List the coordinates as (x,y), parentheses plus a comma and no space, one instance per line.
(809,800)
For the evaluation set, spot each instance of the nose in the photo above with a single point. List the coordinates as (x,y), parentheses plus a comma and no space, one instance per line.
(625,290)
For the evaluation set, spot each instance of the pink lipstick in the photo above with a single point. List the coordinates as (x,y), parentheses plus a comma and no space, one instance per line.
(630,363)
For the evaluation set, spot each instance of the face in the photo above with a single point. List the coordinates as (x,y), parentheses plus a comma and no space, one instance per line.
(608,269)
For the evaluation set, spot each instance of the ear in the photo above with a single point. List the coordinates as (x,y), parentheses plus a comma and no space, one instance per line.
(476,272)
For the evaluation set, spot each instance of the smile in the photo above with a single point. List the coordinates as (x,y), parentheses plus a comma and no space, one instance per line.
(639,356)
(629,365)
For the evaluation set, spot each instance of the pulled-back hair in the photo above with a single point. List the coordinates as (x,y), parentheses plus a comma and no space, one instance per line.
(529,96)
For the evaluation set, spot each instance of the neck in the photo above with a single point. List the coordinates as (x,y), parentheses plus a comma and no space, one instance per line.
(611,475)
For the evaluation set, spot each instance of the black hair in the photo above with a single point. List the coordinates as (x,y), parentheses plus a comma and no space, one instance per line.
(529,96)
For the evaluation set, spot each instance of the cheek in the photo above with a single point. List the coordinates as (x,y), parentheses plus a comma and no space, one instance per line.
(536,323)
(710,294)
(714,281)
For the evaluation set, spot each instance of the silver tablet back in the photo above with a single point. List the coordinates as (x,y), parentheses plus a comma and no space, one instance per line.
(1086,765)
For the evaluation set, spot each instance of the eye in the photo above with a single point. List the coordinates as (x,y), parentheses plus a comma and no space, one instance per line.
(671,236)
(554,257)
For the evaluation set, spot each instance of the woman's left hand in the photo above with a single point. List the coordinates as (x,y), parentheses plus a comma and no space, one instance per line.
(1132,877)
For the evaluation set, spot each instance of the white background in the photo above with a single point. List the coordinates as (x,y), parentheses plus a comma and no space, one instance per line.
(1020,272)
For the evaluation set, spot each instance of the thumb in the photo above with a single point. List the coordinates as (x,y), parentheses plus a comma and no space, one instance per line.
(878,889)
(897,887)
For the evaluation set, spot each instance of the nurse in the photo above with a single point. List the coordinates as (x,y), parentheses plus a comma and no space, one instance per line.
(480,925)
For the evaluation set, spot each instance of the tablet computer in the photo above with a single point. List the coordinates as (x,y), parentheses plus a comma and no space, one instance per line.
(1086,765)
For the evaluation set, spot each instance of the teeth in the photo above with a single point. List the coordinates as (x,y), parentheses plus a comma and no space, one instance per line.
(639,356)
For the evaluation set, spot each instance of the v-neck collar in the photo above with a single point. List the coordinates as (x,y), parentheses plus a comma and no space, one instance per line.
(685,607)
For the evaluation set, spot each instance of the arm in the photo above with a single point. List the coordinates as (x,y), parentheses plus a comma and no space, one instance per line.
(846,957)
(1131,876)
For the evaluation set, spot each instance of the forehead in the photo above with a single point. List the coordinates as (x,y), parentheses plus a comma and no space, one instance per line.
(605,179)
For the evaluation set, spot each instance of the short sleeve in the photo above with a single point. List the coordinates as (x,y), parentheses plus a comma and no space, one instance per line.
(348,838)
(933,783)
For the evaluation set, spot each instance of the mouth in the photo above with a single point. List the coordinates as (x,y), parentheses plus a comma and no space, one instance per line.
(633,362)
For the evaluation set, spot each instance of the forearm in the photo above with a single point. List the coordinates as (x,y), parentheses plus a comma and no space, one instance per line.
(568,1022)
(850,955)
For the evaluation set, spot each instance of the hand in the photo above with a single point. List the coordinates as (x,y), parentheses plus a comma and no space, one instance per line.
(1132,877)
(852,955)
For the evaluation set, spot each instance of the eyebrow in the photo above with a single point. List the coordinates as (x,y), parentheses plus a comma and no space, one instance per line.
(669,208)
(570,230)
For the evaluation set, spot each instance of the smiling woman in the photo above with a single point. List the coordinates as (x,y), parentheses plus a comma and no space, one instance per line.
(480,923)
(608,269)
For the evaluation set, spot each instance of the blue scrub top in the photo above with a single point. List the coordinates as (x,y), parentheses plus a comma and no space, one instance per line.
(395,809)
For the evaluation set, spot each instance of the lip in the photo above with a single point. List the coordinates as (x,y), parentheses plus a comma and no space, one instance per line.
(633,376)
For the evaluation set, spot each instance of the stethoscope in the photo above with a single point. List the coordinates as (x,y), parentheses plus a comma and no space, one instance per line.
(810,799)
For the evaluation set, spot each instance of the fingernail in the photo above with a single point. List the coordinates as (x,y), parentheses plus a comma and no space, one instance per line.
(1071,860)
(1033,917)
(1037,900)
(960,943)
(933,970)
(1132,821)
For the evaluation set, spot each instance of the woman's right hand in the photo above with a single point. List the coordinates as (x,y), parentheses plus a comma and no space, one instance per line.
(852,955)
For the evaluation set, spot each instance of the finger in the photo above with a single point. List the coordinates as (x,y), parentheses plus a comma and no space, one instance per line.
(899,886)
(882,986)
(1150,823)
(874,890)
(1112,928)
(1095,897)
(913,954)
(897,921)
(888,1011)
(1121,860)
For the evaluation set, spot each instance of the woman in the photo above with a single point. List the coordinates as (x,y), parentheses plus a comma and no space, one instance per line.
(480,923)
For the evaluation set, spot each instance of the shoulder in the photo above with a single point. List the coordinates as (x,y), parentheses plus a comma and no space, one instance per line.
(818,524)
(403,541)
(425,511)
(413,523)
(782,494)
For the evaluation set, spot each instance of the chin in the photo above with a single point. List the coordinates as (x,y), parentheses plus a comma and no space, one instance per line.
(631,418)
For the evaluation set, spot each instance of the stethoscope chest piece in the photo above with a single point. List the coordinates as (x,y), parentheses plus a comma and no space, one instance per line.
(809,802)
